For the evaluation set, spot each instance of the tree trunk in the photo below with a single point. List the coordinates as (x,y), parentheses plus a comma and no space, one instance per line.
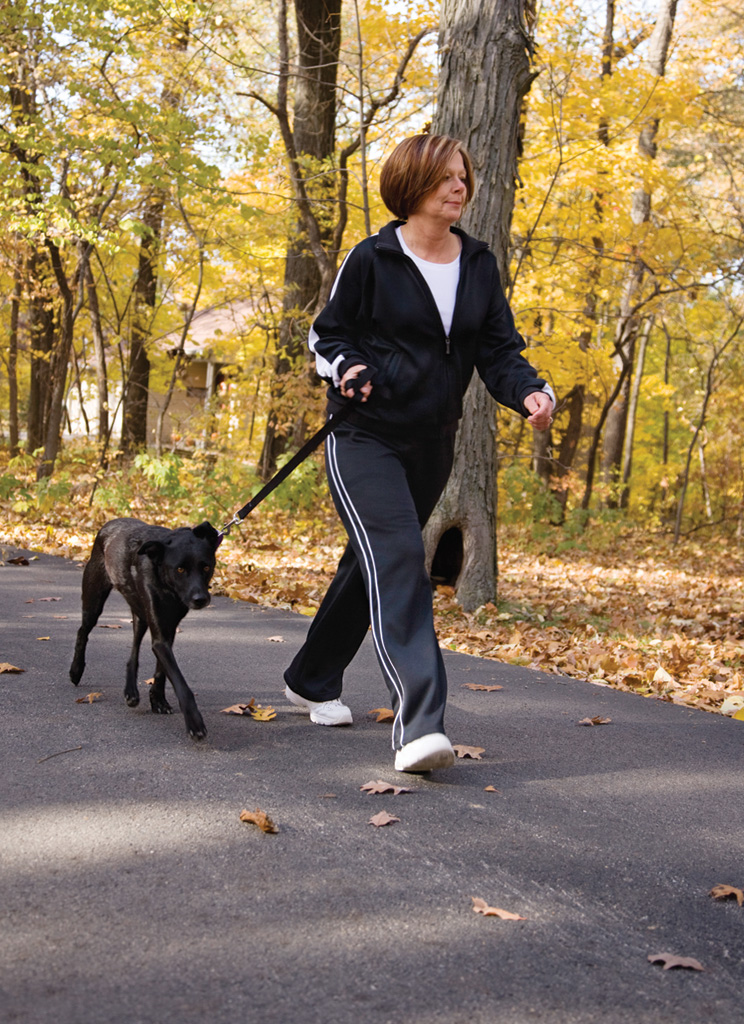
(314,135)
(41,331)
(627,329)
(100,354)
(59,366)
(137,385)
(484,77)
(633,413)
(569,442)
(15,307)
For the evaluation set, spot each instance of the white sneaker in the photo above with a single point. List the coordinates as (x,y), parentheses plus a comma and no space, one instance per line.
(324,712)
(427,752)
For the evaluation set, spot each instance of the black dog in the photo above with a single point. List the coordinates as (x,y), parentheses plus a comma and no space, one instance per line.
(161,574)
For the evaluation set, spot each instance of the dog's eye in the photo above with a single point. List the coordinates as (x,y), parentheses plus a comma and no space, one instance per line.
(180,570)
(206,569)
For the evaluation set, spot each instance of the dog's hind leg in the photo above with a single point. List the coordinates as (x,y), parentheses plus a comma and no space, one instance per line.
(96,588)
(131,690)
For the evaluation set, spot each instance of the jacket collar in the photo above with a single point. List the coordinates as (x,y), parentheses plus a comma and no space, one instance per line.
(387,239)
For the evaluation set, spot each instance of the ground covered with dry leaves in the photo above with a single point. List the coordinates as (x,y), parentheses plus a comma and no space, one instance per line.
(625,609)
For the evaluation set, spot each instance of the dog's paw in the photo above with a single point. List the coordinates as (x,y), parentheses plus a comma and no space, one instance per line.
(76,673)
(195,726)
(160,706)
(132,699)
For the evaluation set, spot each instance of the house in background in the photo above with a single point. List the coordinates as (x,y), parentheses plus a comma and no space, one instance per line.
(202,372)
(202,376)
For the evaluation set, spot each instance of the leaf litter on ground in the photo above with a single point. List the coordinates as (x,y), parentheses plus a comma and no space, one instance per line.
(614,608)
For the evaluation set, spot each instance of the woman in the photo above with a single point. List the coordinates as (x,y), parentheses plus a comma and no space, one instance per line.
(419,305)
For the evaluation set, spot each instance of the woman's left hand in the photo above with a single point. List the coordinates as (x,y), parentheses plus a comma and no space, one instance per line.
(540,407)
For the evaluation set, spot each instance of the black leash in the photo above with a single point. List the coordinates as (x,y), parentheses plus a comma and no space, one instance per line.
(308,447)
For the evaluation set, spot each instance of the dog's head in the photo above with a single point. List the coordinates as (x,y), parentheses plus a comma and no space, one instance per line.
(184,560)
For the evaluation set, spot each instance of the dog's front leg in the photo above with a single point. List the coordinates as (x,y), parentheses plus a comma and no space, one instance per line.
(163,651)
(131,690)
(158,703)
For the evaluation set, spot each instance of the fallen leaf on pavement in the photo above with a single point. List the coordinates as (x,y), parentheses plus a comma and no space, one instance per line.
(50,598)
(380,786)
(481,686)
(491,789)
(383,714)
(109,625)
(255,711)
(89,698)
(276,639)
(594,721)
(481,907)
(725,892)
(261,714)
(260,818)
(474,752)
(670,960)
(383,818)
(20,560)
(6,667)
(43,638)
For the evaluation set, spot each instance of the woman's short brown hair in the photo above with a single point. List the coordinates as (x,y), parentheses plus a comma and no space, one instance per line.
(416,167)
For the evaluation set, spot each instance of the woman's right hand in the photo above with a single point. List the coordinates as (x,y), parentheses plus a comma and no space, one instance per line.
(351,374)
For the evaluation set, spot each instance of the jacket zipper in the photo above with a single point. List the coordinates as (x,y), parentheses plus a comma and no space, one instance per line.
(429,296)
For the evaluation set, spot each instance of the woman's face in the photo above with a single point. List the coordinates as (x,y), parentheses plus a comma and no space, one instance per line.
(446,202)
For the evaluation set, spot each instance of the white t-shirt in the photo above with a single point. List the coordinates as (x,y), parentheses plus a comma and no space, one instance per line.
(442,279)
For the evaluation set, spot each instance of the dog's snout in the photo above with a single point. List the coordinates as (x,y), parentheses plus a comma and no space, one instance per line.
(199,601)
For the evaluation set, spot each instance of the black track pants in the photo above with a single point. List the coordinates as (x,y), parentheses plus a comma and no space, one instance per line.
(384,492)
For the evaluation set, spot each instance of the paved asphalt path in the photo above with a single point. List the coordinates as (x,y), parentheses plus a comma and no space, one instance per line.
(131,893)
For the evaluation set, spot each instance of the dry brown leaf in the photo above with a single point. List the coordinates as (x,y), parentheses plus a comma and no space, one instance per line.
(474,752)
(726,892)
(670,960)
(108,625)
(383,818)
(491,789)
(380,786)
(235,709)
(383,714)
(50,599)
(7,667)
(43,638)
(481,686)
(260,818)
(481,907)
(90,698)
(594,721)
(255,711)
(19,560)
(276,639)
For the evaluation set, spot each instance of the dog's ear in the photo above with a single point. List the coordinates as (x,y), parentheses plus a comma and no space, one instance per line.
(205,531)
(154,549)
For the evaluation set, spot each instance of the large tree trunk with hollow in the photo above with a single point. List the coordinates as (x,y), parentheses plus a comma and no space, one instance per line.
(484,77)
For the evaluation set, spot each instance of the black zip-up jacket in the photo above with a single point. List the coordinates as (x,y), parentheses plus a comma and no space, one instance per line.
(381,313)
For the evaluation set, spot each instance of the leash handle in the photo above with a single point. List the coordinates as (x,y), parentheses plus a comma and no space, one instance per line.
(366,375)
